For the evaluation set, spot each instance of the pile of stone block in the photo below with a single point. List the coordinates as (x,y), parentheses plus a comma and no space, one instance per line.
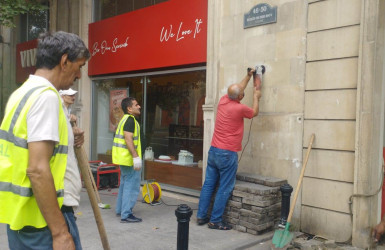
(255,204)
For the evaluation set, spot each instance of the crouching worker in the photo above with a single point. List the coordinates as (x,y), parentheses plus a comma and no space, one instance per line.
(39,184)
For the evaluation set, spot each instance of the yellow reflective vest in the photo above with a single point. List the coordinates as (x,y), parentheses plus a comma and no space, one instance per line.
(120,153)
(18,206)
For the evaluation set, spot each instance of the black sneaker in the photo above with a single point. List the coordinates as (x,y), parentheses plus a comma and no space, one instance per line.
(131,219)
(201,222)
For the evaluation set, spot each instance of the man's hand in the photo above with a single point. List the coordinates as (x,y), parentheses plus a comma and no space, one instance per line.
(137,163)
(73,118)
(63,241)
(250,71)
(378,231)
(79,136)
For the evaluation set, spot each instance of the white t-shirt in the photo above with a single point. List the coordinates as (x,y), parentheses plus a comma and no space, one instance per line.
(42,125)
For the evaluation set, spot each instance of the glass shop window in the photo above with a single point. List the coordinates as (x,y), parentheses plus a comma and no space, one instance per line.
(171,123)
(34,23)
(110,8)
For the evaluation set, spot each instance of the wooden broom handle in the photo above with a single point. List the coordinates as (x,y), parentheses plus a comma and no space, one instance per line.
(84,170)
(300,179)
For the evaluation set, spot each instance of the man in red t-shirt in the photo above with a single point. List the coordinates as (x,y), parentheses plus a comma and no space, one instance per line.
(222,162)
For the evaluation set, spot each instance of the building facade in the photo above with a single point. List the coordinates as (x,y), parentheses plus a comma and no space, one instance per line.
(324,75)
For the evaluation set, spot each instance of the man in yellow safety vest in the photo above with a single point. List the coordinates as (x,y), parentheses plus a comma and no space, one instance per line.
(127,152)
(39,180)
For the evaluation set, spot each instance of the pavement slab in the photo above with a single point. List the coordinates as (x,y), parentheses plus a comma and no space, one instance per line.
(158,229)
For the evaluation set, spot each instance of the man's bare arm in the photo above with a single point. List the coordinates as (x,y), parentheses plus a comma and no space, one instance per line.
(246,79)
(128,137)
(43,188)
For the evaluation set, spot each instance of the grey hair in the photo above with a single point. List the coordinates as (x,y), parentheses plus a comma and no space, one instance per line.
(233,95)
(52,46)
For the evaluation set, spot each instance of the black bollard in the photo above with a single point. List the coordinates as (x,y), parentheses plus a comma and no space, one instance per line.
(183,214)
(286,190)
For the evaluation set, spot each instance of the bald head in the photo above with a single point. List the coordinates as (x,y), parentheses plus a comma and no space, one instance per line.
(233,91)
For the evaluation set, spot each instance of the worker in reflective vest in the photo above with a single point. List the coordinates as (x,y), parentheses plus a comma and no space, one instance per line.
(36,179)
(127,152)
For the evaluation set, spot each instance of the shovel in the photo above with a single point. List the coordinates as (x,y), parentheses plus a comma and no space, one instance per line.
(283,237)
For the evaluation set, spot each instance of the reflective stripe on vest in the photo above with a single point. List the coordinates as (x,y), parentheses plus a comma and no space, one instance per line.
(120,153)
(18,206)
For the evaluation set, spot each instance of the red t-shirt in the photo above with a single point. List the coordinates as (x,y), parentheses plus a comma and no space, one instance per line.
(228,131)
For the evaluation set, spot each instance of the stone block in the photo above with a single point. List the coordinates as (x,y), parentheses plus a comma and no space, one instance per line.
(332,74)
(245,212)
(235,204)
(236,198)
(327,194)
(332,44)
(255,188)
(244,218)
(339,135)
(331,104)
(246,206)
(256,202)
(264,226)
(313,222)
(331,165)
(233,221)
(233,215)
(250,231)
(241,228)
(333,13)
(259,179)
(248,225)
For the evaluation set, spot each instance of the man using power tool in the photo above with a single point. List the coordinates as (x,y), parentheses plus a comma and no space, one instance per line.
(222,162)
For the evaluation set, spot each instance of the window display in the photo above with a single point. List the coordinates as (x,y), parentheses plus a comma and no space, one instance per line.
(171,122)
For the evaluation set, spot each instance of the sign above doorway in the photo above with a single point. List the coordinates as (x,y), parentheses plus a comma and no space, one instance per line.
(168,34)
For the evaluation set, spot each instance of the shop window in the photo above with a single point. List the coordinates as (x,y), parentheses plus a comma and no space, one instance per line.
(168,121)
(34,23)
(110,8)
(199,121)
(184,112)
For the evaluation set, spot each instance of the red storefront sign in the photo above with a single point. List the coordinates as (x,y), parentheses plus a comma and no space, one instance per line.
(167,34)
(25,60)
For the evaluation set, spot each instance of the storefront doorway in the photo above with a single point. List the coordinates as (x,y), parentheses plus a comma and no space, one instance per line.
(171,121)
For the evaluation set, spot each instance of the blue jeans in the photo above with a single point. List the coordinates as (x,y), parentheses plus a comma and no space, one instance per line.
(128,191)
(41,240)
(221,167)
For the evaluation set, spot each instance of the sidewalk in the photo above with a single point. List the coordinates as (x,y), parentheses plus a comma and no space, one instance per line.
(158,229)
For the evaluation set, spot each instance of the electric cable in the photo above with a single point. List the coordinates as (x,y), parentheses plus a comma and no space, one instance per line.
(162,202)
(248,138)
